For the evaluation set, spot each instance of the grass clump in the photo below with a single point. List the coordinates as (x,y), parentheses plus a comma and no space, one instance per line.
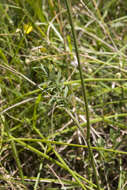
(48,140)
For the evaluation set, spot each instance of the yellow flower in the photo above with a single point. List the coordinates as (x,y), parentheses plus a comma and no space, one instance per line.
(27,28)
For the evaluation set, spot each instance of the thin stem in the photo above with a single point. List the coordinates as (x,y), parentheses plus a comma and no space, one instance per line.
(68,4)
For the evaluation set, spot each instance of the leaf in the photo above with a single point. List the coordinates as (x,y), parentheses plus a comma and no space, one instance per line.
(66,91)
(2,55)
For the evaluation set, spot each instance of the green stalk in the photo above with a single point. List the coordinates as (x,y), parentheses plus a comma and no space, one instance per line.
(67,144)
(69,170)
(68,4)
(14,149)
(44,155)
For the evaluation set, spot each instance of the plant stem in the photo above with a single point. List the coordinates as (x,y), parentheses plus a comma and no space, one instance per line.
(68,4)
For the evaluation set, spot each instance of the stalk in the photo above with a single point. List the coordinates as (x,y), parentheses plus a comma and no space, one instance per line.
(69,10)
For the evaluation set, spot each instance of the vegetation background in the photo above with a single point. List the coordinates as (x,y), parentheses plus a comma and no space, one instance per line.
(43,124)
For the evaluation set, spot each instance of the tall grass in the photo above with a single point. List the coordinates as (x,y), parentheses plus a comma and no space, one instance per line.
(84,95)
(50,70)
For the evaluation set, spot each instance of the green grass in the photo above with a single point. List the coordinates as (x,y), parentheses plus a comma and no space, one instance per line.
(53,134)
